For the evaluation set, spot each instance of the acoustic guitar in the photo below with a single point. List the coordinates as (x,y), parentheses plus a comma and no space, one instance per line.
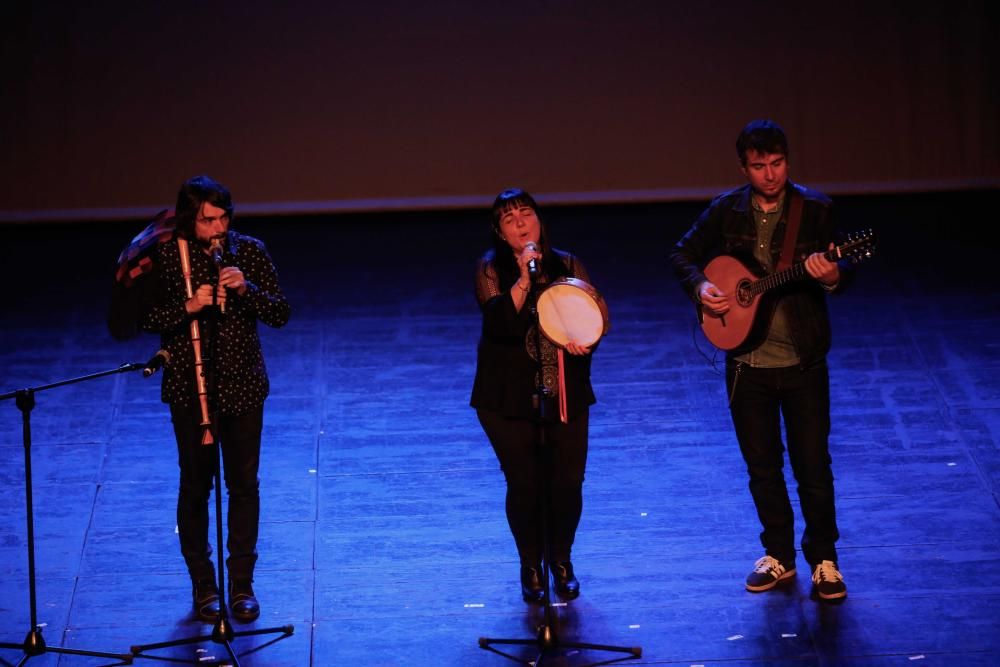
(743,289)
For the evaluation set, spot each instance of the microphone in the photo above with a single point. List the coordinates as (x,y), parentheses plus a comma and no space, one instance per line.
(215,249)
(159,360)
(533,262)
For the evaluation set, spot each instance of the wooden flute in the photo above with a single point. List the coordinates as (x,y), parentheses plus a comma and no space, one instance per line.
(199,365)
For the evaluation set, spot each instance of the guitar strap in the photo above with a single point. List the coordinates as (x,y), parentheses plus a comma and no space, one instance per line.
(792,224)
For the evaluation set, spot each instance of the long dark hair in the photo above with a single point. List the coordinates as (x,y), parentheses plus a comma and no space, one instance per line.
(193,193)
(503,257)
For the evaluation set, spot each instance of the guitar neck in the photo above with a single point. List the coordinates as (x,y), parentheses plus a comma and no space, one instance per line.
(794,272)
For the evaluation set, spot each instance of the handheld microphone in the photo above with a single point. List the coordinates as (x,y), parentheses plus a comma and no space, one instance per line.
(159,360)
(215,249)
(533,262)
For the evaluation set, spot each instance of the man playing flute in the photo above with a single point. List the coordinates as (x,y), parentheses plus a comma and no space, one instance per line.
(231,283)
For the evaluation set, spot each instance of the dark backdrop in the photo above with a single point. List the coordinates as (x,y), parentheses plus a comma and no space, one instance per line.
(337,106)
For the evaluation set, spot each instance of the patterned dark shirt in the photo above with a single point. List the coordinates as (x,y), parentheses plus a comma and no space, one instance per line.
(240,376)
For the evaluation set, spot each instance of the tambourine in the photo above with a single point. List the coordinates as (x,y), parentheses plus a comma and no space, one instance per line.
(570,309)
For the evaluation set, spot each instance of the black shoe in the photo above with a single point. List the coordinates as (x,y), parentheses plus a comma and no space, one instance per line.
(828,581)
(206,600)
(242,601)
(531,584)
(567,585)
(767,572)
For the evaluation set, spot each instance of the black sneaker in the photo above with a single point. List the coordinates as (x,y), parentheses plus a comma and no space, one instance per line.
(206,600)
(828,581)
(242,601)
(767,572)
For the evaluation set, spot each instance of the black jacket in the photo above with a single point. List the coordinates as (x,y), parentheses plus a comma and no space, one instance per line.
(727,227)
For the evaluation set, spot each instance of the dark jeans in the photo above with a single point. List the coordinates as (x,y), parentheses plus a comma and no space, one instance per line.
(240,438)
(524,465)
(760,398)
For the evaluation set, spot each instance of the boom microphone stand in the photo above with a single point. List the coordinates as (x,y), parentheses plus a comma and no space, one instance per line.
(546,640)
(34,644)
(222,631)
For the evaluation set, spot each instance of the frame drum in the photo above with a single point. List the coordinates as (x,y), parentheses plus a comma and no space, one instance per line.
(572,310)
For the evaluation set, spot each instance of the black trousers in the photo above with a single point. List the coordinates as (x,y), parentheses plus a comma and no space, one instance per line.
(525,464)
(240,441)
(760,398)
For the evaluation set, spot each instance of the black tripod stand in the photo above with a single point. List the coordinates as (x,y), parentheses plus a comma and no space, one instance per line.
(34,644)
(222,631)
(546,640)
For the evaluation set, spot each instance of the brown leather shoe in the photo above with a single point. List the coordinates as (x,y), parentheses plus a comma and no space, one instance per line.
(206,600)
(242,601)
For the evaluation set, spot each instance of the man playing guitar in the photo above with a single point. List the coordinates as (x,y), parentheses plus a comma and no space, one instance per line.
(778,370)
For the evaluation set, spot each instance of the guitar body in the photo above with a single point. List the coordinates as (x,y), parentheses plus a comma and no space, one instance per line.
(729,331)
(744,291)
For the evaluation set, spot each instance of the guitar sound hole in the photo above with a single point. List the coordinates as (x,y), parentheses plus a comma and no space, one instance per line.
(743,296)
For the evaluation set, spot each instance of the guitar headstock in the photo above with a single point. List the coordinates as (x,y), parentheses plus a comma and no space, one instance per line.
(857,247)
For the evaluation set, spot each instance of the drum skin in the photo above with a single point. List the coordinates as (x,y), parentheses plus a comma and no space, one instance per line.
(570,309)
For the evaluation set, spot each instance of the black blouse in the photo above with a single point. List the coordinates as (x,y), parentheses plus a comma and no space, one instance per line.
(506,369)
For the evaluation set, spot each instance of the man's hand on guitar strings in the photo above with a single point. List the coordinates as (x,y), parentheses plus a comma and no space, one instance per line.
(713,299)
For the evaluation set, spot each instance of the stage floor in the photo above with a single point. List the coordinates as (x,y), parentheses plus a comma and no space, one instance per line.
(383,536)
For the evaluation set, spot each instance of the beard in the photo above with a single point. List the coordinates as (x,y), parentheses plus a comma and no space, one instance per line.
(207,243)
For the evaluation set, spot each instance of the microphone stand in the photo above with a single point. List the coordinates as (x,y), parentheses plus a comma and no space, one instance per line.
(546,640)
(34,644)
(222,631)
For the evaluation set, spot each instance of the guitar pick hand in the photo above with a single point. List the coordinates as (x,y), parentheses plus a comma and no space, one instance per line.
(713,299)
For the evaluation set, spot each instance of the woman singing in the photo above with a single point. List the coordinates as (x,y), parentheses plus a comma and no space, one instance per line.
(516,419)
